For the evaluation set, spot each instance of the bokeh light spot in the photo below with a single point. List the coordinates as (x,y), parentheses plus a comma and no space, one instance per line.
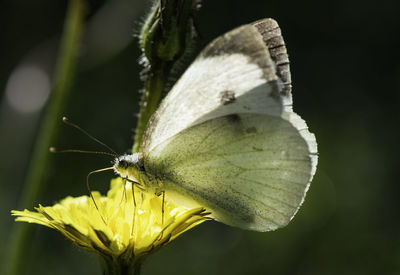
(28,88)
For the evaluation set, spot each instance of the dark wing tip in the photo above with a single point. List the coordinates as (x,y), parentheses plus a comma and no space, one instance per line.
(244,40)
(272,37)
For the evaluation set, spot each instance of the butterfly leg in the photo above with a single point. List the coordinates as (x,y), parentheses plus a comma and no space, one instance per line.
(134,206)
(123,192)
(162,207)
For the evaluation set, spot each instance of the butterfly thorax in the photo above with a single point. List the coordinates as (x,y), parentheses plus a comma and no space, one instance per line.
(132,167)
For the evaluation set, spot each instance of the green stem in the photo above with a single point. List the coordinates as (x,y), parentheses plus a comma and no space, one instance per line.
(165,38)
(35,181)
(152,94)
(119,267)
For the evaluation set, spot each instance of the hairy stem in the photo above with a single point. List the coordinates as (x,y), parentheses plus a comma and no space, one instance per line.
(152,94)
(165,37)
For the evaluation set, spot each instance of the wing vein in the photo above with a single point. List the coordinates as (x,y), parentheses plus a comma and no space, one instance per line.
(274,187)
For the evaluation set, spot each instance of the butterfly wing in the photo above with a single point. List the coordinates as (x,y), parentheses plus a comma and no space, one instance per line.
(251,170)
(226,137)
(233,74)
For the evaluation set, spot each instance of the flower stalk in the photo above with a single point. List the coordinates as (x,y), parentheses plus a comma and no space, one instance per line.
(112,267)
(35,180)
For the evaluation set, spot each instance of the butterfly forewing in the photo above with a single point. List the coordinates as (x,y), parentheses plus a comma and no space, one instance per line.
(234,74)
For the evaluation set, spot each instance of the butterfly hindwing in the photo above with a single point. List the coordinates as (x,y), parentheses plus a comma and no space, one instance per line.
(251,171)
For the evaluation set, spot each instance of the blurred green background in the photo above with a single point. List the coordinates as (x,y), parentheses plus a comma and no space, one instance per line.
(345,70)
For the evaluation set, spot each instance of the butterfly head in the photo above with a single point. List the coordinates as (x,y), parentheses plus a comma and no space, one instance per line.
(129,166)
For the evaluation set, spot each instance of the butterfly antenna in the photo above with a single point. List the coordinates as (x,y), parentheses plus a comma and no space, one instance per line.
(68,122)
(55,150)
(90,191)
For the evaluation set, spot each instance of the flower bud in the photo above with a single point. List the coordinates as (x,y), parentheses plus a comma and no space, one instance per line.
(168,30)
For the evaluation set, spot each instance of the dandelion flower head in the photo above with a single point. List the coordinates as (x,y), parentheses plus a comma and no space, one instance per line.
(126,225)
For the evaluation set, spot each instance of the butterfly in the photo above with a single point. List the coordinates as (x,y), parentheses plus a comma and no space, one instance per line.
(226,137)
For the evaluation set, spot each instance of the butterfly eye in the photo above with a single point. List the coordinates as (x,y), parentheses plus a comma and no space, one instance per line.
(123,164)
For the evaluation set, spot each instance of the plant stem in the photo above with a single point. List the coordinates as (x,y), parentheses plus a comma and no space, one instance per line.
(119,267)
(165,38)
(152,94)
(35,181)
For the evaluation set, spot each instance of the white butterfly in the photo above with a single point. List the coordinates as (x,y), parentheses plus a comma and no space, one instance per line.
(226,138)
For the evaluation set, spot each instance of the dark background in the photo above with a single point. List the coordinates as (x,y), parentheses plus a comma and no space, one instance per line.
(344,62)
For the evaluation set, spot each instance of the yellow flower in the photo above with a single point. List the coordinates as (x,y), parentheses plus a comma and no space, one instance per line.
(120,232)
